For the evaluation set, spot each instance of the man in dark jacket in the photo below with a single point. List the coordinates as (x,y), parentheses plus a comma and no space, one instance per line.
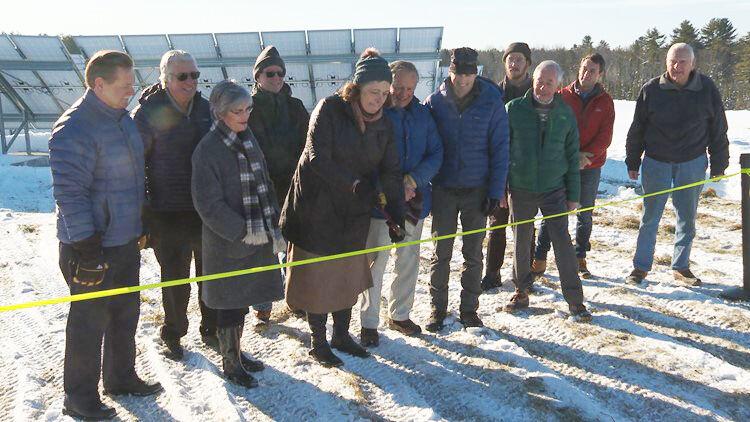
(172,117)
(279,122)
(595,114)
(544,175)
(517,60)
(678,116)
(473,125)
(421,153)
(96,158)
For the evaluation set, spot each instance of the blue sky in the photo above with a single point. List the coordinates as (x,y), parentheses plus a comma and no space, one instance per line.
(476,23)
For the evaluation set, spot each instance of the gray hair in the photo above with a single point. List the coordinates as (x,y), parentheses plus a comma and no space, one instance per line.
(227,95)
(170,58)
(403,66)
(682,46)
(549,64)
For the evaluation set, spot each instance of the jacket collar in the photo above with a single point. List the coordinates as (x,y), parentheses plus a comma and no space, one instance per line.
(90,98)
(694,83)
(528,100)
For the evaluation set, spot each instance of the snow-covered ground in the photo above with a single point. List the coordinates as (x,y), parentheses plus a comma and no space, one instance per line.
(661,351)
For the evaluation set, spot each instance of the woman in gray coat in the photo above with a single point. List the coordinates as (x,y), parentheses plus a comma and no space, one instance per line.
(235,199)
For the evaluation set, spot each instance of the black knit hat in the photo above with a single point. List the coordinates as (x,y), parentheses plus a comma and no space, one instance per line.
(464,61)
(371,67)
(268,57)
(518,47)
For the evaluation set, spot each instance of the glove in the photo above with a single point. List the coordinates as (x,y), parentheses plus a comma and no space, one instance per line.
(489,206)
(365,191)
(89,267)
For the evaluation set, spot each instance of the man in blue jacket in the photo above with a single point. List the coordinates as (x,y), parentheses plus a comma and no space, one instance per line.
(96,158)
(473,125)
(421,153)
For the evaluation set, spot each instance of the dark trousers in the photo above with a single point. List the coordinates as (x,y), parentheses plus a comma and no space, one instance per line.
(584,223)
(112,320)
(524,206)
(176,239)
(497,243)
(230,317)
(448,205)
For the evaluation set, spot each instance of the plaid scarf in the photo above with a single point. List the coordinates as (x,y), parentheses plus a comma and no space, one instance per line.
(261,209)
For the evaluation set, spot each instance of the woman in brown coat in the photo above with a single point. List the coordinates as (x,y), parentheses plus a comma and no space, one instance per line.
(349,159)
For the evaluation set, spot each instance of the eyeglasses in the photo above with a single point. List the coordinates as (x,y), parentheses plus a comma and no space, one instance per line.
(182,77)
(280,73)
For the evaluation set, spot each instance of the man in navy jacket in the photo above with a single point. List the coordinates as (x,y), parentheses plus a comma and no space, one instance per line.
(473,125)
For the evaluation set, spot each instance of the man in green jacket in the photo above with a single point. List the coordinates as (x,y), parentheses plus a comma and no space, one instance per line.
(544,175)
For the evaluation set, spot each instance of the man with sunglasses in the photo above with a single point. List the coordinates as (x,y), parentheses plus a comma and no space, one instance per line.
(172,117)
(279,122)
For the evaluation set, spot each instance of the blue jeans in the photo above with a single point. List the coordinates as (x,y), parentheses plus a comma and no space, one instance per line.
(589,188)
(657,176)
(267,306)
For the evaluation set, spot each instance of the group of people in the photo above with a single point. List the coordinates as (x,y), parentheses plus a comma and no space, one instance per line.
(245,179)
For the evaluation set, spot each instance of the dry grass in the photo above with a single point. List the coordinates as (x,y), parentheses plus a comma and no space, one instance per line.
(663,260)
(627,222)
(28,228)
(735,227)
(709,193)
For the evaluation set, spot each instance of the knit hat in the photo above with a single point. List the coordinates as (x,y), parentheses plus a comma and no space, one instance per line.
(463,61)
(268,57)
(518,47)
(371,67)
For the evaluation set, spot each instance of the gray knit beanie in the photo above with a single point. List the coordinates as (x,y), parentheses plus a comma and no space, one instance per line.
(371,67)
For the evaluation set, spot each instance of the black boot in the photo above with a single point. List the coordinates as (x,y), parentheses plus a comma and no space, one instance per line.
(250,365)
(341,339)
(91,412)
(229,345)
(321,351)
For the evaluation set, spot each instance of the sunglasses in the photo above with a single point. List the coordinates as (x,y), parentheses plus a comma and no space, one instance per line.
(280,74)
(182,77)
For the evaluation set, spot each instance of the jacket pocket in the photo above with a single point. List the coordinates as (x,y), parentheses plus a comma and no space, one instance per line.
(239,249)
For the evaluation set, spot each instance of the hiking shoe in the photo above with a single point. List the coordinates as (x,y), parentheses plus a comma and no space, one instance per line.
(407,327)
(491,281)
(251,365)
(538,266)
(436,321)
(134,387)
(369,337)
(470,319)
(583,269)
(636,276)
(687,277)
(580,313)
(520,300)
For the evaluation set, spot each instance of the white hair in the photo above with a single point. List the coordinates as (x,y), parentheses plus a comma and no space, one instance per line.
(681,46)
(226,95)
(549,64)
(169,59)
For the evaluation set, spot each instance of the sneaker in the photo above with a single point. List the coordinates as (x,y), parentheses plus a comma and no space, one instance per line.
(520,300)
(491,281)
(134,387)
(470,319)
(368,337)
(538,266)
(407,327)
(583,269)
(687,277)
(436,321)
(172,349)
(580,314)
(636,276)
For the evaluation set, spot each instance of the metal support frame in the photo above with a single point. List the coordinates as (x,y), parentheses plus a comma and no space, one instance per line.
(743,293)
(23,126)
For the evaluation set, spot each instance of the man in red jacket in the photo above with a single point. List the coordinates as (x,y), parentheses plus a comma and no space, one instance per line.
(595,113)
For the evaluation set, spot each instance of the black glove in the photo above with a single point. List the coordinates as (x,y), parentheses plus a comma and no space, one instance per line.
(396,224)
(366,192)
(89,267)
(489,206)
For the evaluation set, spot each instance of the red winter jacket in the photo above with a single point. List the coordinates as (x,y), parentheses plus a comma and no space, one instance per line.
(595,122)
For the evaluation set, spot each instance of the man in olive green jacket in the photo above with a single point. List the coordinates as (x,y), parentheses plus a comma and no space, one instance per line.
(544,175)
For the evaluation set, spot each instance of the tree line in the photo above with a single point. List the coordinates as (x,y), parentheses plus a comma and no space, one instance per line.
(720,53)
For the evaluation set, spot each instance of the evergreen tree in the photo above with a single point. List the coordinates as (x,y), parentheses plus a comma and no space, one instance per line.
(686,33)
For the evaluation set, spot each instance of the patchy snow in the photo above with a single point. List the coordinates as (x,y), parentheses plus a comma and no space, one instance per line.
(661,351)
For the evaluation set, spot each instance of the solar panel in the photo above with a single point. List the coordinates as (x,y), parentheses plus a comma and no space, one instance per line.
(146,47)
(330,42)
(332,71)
(150,75)
(289,43)
(382,39)
(326,89)
(420,40)
(297,72)
(239,45)
(8,106)
(58,78)
(426,69)
(40,48)
(91,44)
(7,51)
(200,46)
(22,78)
(67,96)
(302,91)
(241,74)
(38,101)
(423,89)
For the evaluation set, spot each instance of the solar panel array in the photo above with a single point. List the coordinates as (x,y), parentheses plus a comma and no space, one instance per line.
(41,76)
